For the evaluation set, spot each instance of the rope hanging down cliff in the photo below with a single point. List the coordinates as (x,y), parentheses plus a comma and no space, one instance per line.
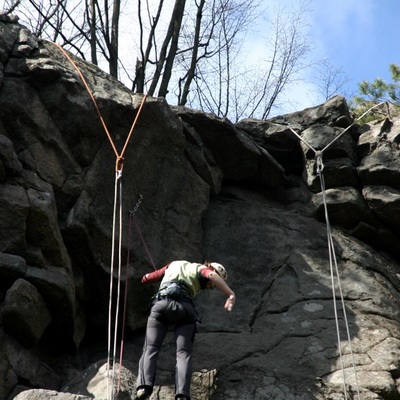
(332,256)
(116,208)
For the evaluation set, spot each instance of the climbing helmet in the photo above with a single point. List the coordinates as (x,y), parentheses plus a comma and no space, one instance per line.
(220,270)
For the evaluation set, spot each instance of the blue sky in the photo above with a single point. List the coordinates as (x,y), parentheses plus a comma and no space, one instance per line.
(361,36)
(358,36)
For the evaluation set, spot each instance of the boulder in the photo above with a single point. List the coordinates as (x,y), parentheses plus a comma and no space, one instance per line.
(12,267)
(28,367)
(58,290)
(14,210)
(25,314)
(10,163)
(96,381)
(379,148)
(239,157)
(8,377)
(42,394)
(278,140)
(346,207)
(334,112)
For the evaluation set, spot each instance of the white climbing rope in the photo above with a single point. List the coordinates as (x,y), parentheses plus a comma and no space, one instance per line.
(342,133)
(117,190)
(333,263)
(361,116)
(117,194)
(332,255)
(118,185)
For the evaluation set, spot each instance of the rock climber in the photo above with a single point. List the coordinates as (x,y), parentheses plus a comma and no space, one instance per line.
(181,281)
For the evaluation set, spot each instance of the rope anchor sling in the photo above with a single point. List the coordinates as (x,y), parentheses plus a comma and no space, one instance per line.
(119,163)
(332,256)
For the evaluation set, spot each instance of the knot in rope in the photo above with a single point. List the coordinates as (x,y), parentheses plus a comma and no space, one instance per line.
(320,164)
(119,166)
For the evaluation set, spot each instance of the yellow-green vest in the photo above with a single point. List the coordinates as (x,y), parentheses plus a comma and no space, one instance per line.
(186,273)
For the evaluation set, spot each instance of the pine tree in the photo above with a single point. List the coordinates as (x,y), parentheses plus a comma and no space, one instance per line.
(372,94)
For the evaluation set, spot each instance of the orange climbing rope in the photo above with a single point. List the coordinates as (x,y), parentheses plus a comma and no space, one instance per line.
(117,193)
(119,156)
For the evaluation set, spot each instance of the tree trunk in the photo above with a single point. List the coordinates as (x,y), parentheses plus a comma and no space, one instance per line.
(113,48)
(140,68)
(192,69)
(92,28)
(172,35)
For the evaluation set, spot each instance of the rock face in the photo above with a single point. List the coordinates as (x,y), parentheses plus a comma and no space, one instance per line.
(253,196)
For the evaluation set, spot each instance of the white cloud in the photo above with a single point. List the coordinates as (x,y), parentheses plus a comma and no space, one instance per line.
(342,21)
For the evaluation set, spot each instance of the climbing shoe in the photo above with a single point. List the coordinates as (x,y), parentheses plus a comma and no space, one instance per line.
(143,393)
(181,397)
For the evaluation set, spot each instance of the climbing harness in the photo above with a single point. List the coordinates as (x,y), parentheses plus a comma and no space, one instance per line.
(332,256)
(117,210)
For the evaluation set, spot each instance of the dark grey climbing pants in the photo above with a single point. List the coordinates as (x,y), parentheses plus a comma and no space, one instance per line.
(163,313)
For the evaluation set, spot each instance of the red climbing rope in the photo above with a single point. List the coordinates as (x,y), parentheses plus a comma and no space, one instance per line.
(119,163)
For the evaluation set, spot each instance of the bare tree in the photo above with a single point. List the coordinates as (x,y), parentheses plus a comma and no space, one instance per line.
(10,7)
(195,56)
(331,80)
(289,48)
(231,85)
(145,52)
(79,26)
(55,21)
(213,64)
(103,18)
(109,32)
(91,18)
(186,81)
(168,51)
(194,34)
